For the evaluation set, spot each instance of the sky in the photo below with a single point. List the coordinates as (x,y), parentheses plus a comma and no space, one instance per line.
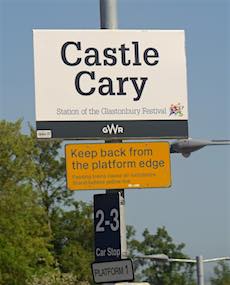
(196,209)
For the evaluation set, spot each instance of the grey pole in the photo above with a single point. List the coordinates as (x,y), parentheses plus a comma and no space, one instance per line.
(108,16)
(199,262)
(200,270)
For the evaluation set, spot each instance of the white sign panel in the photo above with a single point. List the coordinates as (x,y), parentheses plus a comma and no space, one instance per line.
(113,271)
(112,78)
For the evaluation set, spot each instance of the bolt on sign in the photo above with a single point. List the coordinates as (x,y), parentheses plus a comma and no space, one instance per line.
(110,84)
(112,271)
(118,165)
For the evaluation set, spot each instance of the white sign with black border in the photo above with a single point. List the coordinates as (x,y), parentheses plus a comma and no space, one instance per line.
(113,271)
(110,83)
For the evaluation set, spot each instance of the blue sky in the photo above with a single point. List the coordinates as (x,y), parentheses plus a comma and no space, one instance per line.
(196,209)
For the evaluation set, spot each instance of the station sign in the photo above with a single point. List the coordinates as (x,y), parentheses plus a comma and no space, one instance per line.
(113,271)
(107,230)
(99,84)
(118,165)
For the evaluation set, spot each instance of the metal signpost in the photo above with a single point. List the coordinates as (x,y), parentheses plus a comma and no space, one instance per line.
(108,16)
(112,84)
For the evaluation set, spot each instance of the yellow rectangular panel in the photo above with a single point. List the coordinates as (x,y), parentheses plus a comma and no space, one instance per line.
(118,165)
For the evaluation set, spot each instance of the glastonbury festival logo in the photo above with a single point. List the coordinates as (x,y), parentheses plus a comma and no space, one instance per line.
(176,110)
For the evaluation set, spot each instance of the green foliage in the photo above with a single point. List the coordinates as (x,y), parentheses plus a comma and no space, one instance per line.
(155,272)
(222,274)
(15,155)
(45,236)
(24,237)
(56,278)
(49,176)
(39,240)
(73,240)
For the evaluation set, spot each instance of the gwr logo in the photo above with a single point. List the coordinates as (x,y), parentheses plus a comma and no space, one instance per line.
(113,129)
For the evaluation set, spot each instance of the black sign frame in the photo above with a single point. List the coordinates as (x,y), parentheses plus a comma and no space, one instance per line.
(130,129)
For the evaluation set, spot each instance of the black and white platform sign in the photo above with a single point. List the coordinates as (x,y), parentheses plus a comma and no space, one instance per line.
(113,271)
(110,84)
(107,227)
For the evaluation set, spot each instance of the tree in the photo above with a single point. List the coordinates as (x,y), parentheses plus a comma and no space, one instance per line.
(40,240)
(73,241)
(222,274)
(49,176)
(15,155)
(24,237)
(71,229)
(56,278)
(155,272)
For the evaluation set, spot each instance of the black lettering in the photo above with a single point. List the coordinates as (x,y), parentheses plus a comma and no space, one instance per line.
(73,153)
(154,55)
(121,81)
(123,50)
(110,56)
(94,57)
(136,54)
(108,86)
(77,82)
(138,90)
(63,53)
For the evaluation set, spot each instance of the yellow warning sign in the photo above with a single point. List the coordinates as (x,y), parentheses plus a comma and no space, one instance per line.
(118,165)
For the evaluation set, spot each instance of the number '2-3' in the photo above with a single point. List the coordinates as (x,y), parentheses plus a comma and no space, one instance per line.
(114,223)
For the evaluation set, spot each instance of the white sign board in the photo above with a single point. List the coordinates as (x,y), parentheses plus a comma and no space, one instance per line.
(116,83)
(113,271)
